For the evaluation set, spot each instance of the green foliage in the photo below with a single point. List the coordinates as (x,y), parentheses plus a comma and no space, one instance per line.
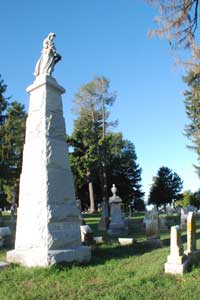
(192,107)
(123,169)
(185,199)
(12,132)
(165,188)
(196,199)
(100,156)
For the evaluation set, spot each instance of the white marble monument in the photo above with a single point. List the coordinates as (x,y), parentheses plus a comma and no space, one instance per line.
(48,225)
(116,226)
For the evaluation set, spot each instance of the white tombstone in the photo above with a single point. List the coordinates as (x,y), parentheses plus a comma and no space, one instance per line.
(116,226)
(177,262)
(48,225)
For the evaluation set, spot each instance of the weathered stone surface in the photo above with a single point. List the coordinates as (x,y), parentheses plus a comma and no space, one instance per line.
(104,221)
(177,262)
(116,226)
(126,241)
(184,214)
(163,223)
(191,233)
(152,225)
(48,223)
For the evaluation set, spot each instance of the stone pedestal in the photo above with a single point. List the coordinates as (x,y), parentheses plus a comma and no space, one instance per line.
(48,225)
(116,226)
(177,261)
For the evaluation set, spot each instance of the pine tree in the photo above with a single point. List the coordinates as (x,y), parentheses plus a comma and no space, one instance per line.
(166,187)
(123,169)
(12,131)
(14,135)
(91,104)
(3,108)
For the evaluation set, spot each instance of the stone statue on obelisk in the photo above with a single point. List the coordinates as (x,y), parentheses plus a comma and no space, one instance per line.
(48,225)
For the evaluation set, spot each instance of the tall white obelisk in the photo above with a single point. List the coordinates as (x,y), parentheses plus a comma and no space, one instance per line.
(48,225)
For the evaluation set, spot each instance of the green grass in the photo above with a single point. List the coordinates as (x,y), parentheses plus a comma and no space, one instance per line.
(114,273)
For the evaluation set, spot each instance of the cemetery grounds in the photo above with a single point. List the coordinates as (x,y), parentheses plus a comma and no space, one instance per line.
(114,273)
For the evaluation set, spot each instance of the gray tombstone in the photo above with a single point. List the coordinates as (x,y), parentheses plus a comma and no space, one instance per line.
(116,226)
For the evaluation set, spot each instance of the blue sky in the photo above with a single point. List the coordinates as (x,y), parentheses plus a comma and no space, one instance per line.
(107,37)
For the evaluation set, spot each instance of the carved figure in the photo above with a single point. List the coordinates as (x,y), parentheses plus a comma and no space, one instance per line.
(49,57)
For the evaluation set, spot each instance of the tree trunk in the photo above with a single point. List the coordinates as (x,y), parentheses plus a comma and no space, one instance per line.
(91,195)
(91,192)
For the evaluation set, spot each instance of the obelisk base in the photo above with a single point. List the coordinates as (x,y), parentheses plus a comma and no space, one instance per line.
(44,258)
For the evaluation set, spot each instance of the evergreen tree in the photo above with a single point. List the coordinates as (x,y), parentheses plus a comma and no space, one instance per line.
(14,135)
(123,170)
(3,108)
(166,187)
(192,107)
(12,130)
(91,104)
(121,167)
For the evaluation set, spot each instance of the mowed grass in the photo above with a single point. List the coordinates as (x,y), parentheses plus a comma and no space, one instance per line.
(114,273)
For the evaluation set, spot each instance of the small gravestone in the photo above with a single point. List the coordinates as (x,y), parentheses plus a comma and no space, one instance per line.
(126,241)
(169,211)
(104,221)
(170,221)
(130,211)
(178,210)
(116,226)
(177,261)
(152,225)
(5,236)
(184,214)
(163,223)
(191,233)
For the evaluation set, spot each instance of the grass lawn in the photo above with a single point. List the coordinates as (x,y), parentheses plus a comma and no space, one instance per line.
(115,273)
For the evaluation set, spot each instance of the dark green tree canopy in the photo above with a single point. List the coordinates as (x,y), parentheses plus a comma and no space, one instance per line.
(12,134)
(166,187)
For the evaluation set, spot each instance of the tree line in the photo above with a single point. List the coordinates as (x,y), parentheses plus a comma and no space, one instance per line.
(99,156)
